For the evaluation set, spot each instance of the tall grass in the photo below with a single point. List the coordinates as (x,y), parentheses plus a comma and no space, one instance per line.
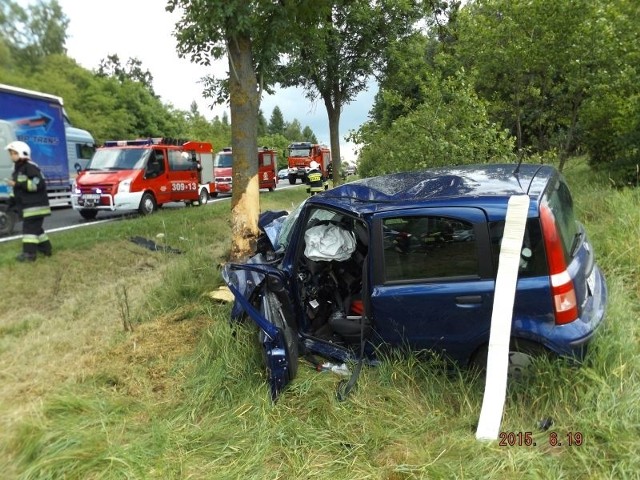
(183,394)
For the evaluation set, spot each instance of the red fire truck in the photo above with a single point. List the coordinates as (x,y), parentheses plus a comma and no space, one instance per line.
(141,175)
(301,154)
(223,165)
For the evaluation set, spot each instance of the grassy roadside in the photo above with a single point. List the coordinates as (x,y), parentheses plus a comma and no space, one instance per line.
(114,364)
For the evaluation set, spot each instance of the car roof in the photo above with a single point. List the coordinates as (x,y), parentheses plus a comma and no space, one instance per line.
(484,185)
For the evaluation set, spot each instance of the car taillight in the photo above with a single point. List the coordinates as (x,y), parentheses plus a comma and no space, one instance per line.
(565,304)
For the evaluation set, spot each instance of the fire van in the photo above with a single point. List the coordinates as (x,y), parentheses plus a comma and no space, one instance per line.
(301,154)
(142,174)
(223,166)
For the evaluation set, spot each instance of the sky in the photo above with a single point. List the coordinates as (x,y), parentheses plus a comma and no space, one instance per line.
(142,29)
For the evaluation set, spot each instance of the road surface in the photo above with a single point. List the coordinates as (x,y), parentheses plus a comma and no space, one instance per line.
(68,218)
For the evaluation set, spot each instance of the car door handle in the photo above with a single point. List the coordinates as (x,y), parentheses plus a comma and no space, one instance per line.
(468,299)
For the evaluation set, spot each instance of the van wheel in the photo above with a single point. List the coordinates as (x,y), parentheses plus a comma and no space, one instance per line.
(522,355)
(7,221)
(88,213)
(204,196)
(292,180)
(147,204)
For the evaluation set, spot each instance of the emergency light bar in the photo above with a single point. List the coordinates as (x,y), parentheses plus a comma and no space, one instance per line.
(145,141)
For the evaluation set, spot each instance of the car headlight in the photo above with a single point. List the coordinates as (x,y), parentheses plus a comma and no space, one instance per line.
(124,186)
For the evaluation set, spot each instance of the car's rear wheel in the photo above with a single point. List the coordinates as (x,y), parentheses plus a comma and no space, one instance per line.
(204,196)
(292,179)
(522,357)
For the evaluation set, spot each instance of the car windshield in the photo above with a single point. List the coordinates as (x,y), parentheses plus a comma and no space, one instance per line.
(119,159)
(223,160)
(284,235)
(299,152)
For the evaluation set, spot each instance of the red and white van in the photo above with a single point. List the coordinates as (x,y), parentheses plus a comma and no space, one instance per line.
(223,166)
(141,175)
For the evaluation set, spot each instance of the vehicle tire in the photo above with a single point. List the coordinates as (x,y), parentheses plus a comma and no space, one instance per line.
(204,196)
(522,355)
(148,204)
(88,213)
(292,180)
(7,221)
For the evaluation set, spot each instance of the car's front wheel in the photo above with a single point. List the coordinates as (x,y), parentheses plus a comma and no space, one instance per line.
(147,204)
(88,213)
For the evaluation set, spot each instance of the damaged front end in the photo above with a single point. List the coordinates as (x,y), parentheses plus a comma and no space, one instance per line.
(260,292)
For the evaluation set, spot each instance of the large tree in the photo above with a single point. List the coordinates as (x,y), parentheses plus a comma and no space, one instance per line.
(336,52)
(250,34)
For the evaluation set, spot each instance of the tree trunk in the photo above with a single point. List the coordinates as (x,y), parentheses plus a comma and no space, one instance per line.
(244,104)
(333,112)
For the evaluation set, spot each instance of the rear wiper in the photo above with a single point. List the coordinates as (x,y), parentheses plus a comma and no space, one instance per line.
(576,243)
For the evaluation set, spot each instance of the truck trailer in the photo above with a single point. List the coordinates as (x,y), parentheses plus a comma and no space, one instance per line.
(59,149)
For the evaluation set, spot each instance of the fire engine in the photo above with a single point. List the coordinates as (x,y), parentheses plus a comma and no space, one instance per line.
(141,175)
(301,154)
(223,165)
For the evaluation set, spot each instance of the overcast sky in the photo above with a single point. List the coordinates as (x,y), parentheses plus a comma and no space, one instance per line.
(143,29)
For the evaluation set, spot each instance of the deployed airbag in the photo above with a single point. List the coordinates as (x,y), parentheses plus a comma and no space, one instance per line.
(329,242)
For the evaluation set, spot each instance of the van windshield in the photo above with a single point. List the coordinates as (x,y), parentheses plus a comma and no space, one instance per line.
(223,160)
(119,159)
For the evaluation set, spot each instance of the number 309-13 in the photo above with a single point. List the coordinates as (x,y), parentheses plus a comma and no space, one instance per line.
(181,187)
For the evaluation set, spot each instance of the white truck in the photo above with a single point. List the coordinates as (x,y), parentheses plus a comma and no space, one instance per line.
(59,149)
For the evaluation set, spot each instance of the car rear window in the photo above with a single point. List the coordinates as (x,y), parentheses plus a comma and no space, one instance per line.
(425,247)
(561,205)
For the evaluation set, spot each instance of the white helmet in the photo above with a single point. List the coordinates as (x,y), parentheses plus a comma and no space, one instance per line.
(21,148)
(314,164)
(185,156)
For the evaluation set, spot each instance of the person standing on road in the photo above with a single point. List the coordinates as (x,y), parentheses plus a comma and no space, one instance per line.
(315,179)
(31,200)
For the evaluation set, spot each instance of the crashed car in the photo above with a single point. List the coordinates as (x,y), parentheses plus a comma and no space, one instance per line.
(409,260)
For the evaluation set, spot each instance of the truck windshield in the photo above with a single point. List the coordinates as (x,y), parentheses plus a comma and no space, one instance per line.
(119,159)
(223,160)
(299,152)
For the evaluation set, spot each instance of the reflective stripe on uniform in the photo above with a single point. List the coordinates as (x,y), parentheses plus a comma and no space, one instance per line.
(36,211)
(32,184)
(26,238)
(43,238)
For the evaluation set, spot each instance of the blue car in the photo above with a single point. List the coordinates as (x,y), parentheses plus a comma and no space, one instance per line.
(409,260)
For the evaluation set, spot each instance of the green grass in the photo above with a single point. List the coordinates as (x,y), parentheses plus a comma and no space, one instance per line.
(182,393)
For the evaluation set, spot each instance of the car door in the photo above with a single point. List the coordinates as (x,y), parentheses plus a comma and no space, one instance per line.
(433,288)
(259,291)
(157,177)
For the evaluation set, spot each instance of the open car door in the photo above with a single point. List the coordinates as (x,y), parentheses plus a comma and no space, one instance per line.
(260,291)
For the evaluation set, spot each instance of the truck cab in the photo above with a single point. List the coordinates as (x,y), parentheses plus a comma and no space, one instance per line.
(301,154)
(7,218)
(223,169)
(141,174)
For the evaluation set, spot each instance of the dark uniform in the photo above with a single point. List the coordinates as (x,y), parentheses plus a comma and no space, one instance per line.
(32,203)
(316,181)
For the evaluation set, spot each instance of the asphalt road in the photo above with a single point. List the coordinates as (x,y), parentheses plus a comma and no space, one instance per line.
(65,218)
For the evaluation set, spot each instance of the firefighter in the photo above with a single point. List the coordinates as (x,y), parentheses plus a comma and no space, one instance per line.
(31,201)
(315,179)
